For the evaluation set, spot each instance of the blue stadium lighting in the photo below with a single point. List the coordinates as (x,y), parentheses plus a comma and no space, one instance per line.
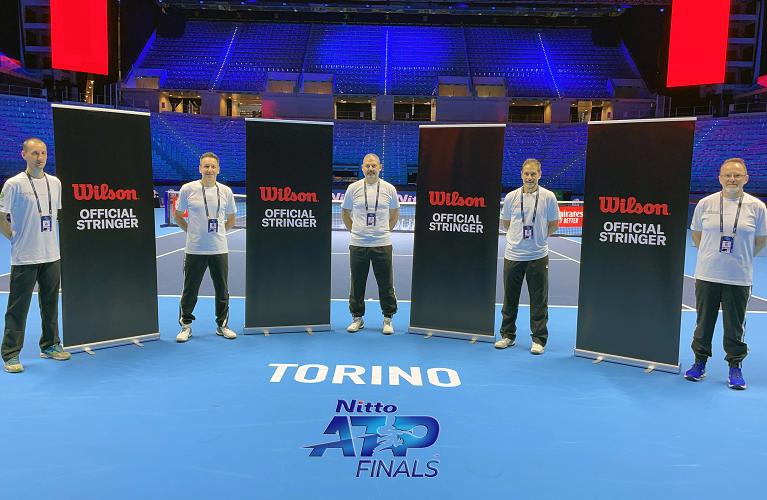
(662,9)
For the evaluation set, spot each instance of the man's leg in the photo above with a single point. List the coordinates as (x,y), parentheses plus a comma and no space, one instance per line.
(359,264)
(708,296)
(538,287)
(219,273)
(734,304)
(49,281)
(194,270)
(384,273)
(22,283)
(513,274)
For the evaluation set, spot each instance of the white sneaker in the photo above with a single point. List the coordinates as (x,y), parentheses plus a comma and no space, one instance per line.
(225,332)
(387,328)
(536,348)
(185,333)
(504,343)
(357,324)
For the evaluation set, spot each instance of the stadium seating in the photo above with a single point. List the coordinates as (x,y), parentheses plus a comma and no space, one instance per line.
(21,118)
(354,54)
(179,139)
(394,60)
(260,49)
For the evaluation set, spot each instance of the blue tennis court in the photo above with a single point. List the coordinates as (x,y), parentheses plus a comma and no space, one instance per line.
(232,419)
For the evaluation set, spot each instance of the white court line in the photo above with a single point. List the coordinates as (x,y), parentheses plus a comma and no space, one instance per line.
(169,234)
(565,256)
(685,307)
(408,301)
(182,248)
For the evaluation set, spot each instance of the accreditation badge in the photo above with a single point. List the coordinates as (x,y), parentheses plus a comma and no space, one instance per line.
(726,244)
(371,219)
(212,225)
(527,232)
(46,223)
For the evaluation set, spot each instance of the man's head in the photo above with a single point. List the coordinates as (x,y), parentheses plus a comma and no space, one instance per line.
(209,167)
(35,153)
(733,176)
(371,167)
(531,174)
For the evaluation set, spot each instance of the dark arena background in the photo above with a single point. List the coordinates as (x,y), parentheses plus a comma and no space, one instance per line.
(326,413)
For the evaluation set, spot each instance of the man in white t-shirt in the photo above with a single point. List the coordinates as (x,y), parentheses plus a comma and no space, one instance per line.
(529,216)
(211,213)
(729,228)
(32,200)
(370,210)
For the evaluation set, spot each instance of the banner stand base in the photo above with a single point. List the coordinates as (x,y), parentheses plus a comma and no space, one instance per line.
(431,332)
(112,343)
(649,366)
(267,330)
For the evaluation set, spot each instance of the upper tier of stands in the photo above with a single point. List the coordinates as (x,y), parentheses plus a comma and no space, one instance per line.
(392,60)
(178,140)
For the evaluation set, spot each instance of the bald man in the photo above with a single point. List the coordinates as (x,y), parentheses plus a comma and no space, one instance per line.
(729,228)
(29,205)
(370,210)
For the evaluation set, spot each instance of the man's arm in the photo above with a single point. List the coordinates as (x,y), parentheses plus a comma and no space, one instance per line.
(393,217)
(230,219)
(760,242)
(346,216)
(180,221)
(696,238)
(505,223)
(5,226)
(553,226)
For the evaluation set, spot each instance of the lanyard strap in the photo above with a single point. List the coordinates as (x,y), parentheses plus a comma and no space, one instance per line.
(721,214)
(37,198)
(205,200)
(378,189)
(522,206)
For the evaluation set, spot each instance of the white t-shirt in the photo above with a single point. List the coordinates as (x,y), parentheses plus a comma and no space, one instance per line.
(30,245)
(364,235)
(734,268)
(198,240)
(536,247)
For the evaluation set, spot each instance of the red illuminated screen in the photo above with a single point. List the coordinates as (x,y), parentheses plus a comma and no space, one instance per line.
(697,51)
(79,36)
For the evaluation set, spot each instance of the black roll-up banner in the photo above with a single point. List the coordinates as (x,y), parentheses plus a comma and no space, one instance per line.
(289,219)
(634,237)
(108,265)
(456,231)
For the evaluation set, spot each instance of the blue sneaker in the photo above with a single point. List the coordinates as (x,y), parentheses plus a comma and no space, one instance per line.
(735,380)
(55,352)
(696,372)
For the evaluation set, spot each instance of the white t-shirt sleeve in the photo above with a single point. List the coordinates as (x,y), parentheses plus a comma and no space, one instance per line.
(58,197)
(697,217)
(231,205)
(506,210)
(761,220)
(348,202)
(7,196)
(553,209)
(394,201)
(182,202)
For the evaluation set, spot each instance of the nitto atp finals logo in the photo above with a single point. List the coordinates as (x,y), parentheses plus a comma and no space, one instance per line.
(381,443)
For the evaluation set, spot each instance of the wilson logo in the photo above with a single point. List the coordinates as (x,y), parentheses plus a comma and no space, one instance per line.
(270,193)
(85,192)
(630,205)
(454,199)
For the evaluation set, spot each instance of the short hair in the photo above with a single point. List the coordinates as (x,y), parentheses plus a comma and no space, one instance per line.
(26,143)
(532,161)
(734,160)
(373,155)
(210,154)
